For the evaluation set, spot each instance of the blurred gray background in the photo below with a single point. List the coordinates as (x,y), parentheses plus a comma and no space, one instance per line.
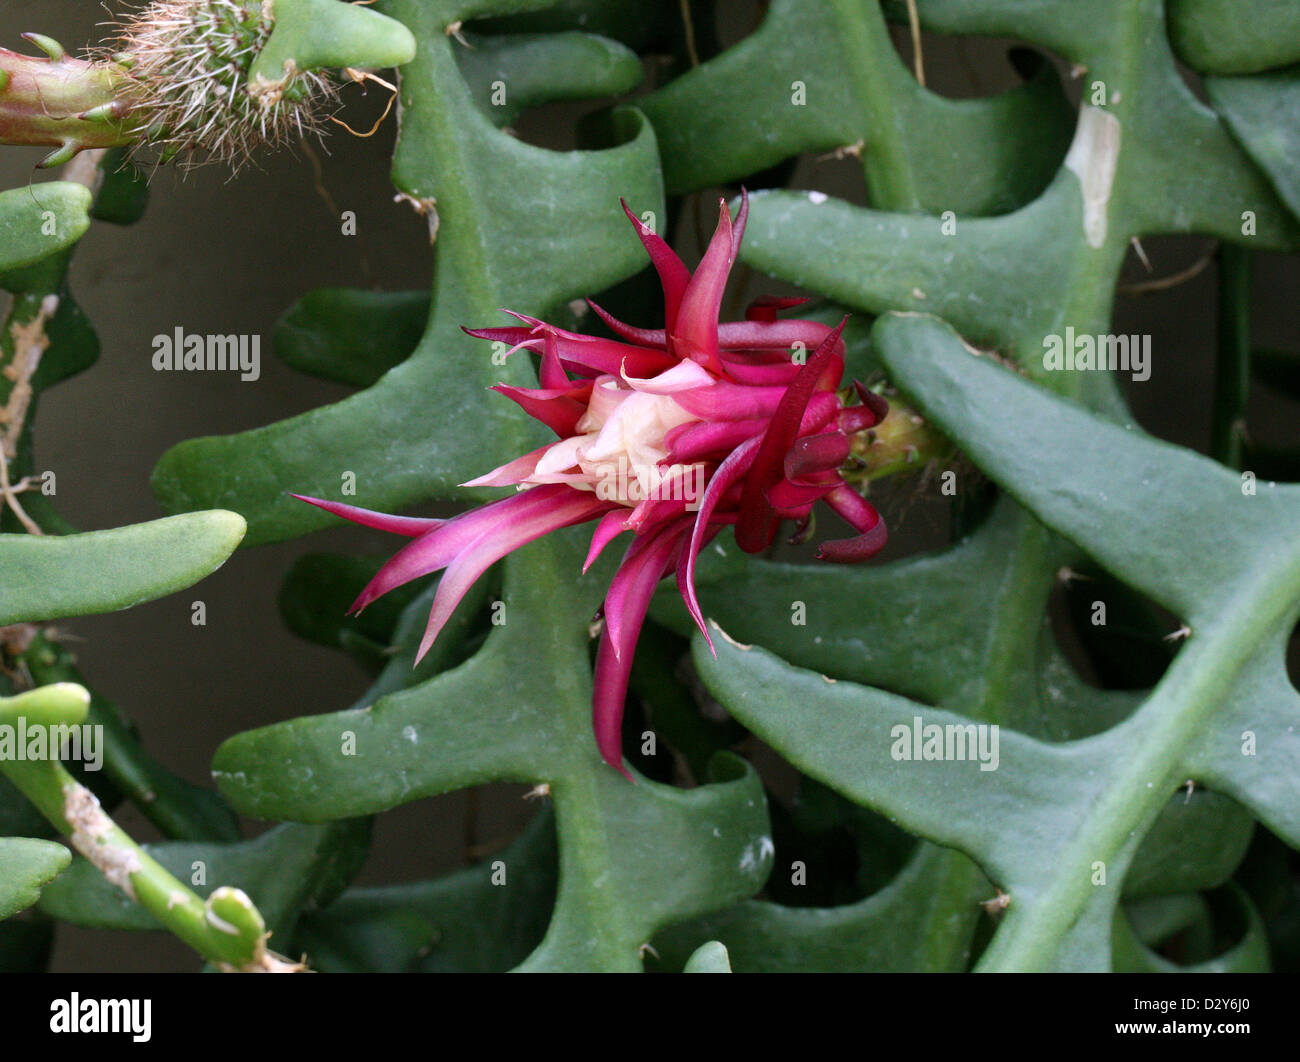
(220,255)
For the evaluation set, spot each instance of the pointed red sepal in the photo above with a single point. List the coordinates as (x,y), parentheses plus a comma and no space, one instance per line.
(816,453)
(410,526)
(695,334)
(878,404)
(729,472)
(645,563)
(765,307)
(559,410)
(854,550)
(646,337)
(756,524)
(862,515)
(674,277)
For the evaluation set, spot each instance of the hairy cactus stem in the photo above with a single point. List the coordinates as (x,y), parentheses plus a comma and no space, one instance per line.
(64,103)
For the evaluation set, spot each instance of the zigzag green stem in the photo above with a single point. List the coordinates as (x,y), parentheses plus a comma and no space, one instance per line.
(226,929)
(177,809)
(1191,691)
(889,173)
(1030,933)
(586,864)
(585,857)
(585,867)
(899,443)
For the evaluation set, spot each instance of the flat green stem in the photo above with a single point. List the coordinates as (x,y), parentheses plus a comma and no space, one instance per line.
(225,929)
(889,174)
(1158,736)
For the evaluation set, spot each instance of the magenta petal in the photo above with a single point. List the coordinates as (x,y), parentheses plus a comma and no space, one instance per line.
(779,374)
(762,335)
(588,355)
(862,515)
(551,374)
(607,705)
(651,512)
(673,275)
(726,401)
(695,334)
(856,419)
(760,355)
(687,443)
(611,525)
(513,336)
(816,453)
(494,542)
(765,307)
(437,548)
(878,404)
(735,466)
(625,610)
(742,219)
(508,333)
(823,408)
(512,472)
(790,499)
(644,337)
(559,410)
(756,524)
(397,525)
(851,505)
(686,579)
(629,594)
(595,357)
(853,550)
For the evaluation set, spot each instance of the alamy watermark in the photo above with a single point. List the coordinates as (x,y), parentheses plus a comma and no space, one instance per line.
(39,742)
(624,481)
(949,741)
(1131,354)
(181,352)
(91,1015)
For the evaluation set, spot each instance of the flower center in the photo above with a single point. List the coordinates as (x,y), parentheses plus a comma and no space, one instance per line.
(620,452)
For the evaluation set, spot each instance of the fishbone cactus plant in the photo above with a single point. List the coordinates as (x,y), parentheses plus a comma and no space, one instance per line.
(1063,736)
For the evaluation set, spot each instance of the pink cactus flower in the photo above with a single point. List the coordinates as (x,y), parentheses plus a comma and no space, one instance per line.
(670,434)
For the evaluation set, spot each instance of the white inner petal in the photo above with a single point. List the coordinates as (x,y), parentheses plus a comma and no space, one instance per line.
(619,446)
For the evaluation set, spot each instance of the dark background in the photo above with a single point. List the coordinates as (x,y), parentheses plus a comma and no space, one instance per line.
(216,254)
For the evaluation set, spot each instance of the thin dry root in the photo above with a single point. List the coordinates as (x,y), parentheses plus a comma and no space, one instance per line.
(360,77)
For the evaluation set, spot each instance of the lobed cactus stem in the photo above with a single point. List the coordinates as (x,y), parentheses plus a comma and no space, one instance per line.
(226,928)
